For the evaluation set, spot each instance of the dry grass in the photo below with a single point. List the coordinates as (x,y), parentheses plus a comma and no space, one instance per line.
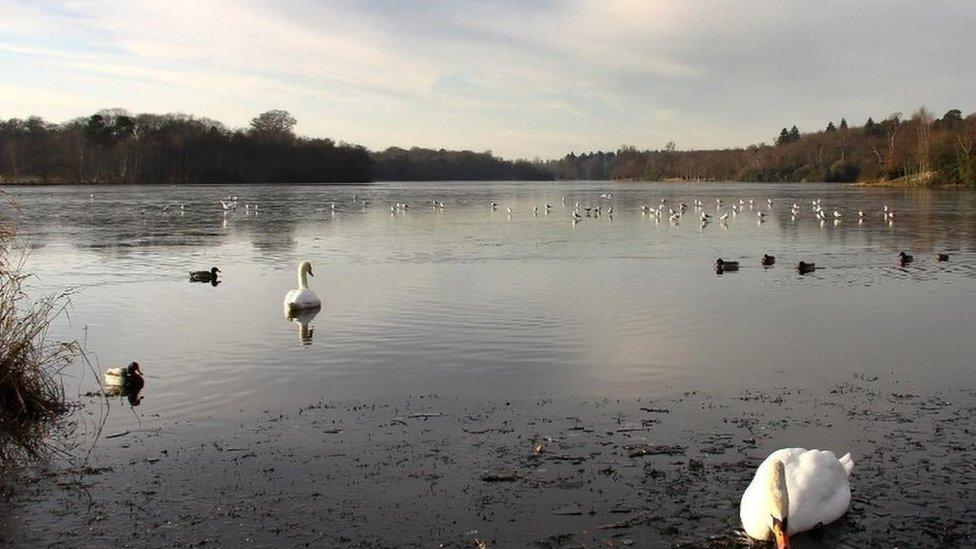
(32,397)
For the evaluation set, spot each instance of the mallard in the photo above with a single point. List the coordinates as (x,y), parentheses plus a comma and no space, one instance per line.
(942,257)
(128,377)
(204,276)
(905,258)
(768,260)
(805,268)
(722,266)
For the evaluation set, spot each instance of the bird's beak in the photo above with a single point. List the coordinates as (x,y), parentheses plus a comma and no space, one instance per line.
(780,534)
(310,272)
(218,270)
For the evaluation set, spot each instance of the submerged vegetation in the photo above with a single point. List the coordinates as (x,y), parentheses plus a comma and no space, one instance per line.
(920,149)
(32,396)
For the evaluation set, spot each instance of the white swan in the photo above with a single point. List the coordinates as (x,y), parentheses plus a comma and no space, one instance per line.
(301,298)
(793,491)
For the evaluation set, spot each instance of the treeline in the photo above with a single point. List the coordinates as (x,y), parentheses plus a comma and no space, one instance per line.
(417,164)
(918,149)
(113,146)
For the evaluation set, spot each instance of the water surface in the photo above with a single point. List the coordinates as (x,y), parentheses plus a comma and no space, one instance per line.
(465,300)
(503,330)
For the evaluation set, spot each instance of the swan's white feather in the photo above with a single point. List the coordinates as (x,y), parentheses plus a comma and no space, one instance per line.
(818,489)
(301,298)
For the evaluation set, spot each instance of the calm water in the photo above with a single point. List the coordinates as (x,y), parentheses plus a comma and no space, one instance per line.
(468,302)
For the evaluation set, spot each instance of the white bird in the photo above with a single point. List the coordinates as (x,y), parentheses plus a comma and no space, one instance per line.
(301,298)
(836,214)
(795,490)
(232,205)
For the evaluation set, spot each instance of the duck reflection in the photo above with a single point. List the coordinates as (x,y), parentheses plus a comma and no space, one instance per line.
(303,319)
(130,393)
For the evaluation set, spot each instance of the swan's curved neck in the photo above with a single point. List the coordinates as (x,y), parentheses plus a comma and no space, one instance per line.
(302,279)
(779,498)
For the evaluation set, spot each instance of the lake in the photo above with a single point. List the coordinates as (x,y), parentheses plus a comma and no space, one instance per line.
(478,307)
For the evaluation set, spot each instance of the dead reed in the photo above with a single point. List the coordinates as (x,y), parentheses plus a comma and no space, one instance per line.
(32,396)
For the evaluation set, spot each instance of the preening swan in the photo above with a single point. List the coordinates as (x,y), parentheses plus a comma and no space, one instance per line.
(301,298)
(795,490)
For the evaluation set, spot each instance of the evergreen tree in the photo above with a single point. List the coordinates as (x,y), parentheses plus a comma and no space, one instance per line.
(784,137)
(843,124)
(794,133)
(831,127)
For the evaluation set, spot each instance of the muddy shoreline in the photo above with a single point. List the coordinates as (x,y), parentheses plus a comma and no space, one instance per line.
(434,470)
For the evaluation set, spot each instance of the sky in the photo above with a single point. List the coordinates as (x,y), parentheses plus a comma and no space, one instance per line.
(521,78)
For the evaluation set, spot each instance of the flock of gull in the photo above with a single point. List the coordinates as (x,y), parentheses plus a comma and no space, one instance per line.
(666,209)
(672,210)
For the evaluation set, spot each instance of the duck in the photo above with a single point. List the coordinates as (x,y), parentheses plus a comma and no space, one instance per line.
(941,257)
(204,276)
(722,266)
(905,258)
(795,490)
(768,260)
(805,268)
(128,377)
(301,298)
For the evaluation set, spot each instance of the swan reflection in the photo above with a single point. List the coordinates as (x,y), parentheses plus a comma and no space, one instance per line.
(303,319)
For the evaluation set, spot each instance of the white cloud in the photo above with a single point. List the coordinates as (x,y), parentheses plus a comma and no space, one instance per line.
(520,78)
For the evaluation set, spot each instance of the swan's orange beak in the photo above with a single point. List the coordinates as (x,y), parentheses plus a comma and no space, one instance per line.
(780,534)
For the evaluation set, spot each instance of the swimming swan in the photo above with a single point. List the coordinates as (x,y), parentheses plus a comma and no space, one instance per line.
(301,298)
(795,490)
